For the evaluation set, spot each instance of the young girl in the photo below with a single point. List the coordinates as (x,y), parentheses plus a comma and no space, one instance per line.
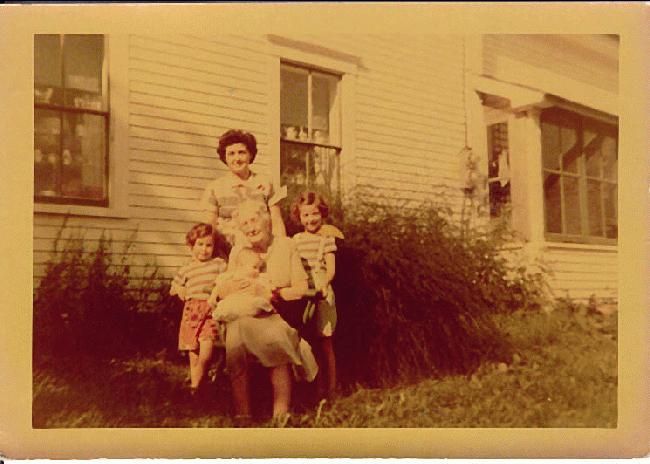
(193,284)
(316,247)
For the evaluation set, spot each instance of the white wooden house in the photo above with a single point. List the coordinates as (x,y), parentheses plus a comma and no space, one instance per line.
(126,130)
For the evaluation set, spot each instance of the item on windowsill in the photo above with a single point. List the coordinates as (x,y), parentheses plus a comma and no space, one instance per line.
(80,130)
(43,96)
(303,134)
(319,137)
(292,133)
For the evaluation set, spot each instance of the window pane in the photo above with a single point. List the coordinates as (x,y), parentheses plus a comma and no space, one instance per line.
(499,198)
(326,178)
(571,205)
(610,199)
(83,58)
(307,167)
(325,116)
(47,69)
(594,208)
(592,144)
(609,151)
(47,149)
(47,60)
(83,167)
(552,203)
(293,101)
(550,146)
(569,149)
(497,143)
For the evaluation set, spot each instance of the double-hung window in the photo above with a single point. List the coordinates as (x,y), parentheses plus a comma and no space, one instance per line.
(71,119)
(310,128)
(579,163)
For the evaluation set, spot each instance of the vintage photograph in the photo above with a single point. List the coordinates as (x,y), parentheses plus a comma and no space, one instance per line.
(325,230)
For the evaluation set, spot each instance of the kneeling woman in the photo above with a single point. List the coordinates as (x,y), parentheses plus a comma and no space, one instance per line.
(266,337)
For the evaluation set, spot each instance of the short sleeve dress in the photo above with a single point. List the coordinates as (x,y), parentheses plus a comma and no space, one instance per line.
(225,193)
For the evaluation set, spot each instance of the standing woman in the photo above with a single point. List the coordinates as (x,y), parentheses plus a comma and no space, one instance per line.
(268,338)
(237,150)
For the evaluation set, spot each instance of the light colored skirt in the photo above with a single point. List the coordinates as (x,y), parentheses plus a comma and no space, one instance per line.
(270,340)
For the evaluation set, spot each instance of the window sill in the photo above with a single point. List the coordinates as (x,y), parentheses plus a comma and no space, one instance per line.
(611,248)
(80,210)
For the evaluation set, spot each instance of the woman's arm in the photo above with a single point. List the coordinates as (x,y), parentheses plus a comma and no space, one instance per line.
(277,223)
(299,283)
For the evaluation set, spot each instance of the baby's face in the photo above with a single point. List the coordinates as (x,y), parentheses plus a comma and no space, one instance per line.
(249,264)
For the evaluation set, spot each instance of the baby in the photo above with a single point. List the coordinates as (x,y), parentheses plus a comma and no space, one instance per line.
(243,290)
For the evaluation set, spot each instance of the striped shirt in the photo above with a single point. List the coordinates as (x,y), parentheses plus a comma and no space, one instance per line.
(308,245)
(198,277)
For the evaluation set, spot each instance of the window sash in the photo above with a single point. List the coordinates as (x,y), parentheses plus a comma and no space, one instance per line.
(80,106)
(591,217)
(312,133)
(311,166)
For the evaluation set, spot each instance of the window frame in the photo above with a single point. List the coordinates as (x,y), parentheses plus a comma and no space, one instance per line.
(582,120)
(301,52)
(311,146)
(116,73)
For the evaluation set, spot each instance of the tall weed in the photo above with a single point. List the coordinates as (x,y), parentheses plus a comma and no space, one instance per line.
(416,294)
(87,302)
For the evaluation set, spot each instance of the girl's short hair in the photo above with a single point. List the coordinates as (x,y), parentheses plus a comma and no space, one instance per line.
(201,230)
(309,198)
(234,136)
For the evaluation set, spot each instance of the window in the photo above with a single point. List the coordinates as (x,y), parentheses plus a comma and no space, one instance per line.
(310,128)
(579,162)
(498,169)
(71,119)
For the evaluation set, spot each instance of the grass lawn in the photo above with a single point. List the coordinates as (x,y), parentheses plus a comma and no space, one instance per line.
(564,374)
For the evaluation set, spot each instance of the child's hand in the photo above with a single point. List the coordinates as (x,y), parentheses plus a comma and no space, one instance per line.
(178,291)
(212,301)
(324,291)
(275,296)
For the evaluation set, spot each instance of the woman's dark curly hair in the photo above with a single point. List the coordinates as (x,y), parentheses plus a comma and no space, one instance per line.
(309,198)
(234,136)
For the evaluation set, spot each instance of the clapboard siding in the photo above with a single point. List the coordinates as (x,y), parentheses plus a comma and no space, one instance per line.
(582,273)
(185,90)
(595,66)
(410,115)
(409,118)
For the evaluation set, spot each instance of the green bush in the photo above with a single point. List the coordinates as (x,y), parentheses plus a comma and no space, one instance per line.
(416,294)
(88,303)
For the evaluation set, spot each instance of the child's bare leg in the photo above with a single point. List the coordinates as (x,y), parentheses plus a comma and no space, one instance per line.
(281,382)
(194,361)
(240,397)
(326,378)
(201,361)
(330,364)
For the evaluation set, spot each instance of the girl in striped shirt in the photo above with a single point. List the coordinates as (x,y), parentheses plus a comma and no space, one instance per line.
(316,247)
(193,284)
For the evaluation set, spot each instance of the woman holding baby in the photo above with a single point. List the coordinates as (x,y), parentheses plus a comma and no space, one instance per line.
(264,272)
(255,331)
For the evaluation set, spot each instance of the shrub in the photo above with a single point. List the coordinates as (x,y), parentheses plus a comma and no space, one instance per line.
(415,294)
(87,302)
